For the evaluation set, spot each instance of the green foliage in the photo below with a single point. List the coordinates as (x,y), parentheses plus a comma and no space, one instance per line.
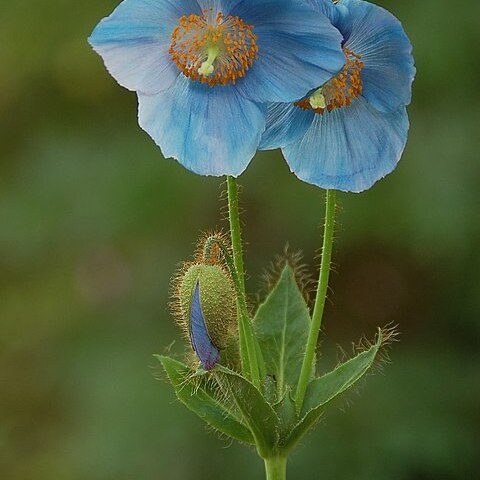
(287,416)
(233,405)
(202,397)
(323,390)
(257,412)
(281,325)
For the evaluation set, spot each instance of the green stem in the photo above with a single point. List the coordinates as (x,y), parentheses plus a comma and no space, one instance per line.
(247,340)
(276,468)
(308,360)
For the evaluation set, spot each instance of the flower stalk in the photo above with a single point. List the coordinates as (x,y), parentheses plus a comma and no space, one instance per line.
(308,360)
(248,350)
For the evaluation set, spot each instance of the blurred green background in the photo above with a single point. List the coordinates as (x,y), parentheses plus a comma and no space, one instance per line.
(93,223)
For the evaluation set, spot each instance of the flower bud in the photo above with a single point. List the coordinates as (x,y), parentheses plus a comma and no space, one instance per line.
(206,300)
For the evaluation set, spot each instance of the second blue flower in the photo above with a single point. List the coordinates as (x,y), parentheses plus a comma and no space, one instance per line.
(351,130)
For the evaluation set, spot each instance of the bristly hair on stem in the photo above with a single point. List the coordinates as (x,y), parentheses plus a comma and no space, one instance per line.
(322,289)
(248,343)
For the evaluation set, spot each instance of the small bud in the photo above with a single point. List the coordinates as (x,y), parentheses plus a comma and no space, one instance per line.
(207,304)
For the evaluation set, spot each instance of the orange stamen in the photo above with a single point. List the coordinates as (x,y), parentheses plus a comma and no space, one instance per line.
(231,37)
(341,89)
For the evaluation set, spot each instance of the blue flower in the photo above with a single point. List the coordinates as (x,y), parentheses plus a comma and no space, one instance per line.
(352,130)
(203,70)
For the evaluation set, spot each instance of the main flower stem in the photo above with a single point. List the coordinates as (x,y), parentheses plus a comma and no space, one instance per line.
(276,468)
(247,341)
(308,360)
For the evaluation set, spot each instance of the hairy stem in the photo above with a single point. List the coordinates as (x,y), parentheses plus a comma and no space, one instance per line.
(309,358)
(248,351)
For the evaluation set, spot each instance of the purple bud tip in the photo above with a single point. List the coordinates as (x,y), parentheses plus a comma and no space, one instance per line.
(201,341)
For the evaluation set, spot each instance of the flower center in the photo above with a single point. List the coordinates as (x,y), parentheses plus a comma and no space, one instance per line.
(340,91)
(213,48)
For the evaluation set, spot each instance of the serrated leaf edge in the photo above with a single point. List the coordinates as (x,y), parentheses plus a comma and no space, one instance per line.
(317,412)
(233,415)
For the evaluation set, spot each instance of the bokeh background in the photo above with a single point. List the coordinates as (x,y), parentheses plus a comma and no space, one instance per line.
(93,222)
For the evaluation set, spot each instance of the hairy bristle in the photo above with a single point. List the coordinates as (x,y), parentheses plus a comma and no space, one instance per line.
(216,257)
(389,334)
(175,303)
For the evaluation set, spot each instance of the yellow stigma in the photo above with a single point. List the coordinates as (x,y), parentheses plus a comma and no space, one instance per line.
(341,90)
(317,100)
(213,48)
(207,68)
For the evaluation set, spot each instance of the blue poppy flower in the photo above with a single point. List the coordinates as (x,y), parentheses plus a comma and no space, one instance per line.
(203,70)
(352,130)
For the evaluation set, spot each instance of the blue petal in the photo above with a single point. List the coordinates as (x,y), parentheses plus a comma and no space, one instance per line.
(201,342)
(299,50)
(327,7)
(376,35)
(286,124)
(134,42)
(211,131)
(349,148)
(224,6)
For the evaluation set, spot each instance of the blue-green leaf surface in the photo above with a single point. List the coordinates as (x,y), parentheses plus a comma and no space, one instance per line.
(281,325)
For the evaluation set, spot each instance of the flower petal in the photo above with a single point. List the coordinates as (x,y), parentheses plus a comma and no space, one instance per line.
(327,7)
(376,35)
(349,148)
(286,124)
(224,6)
(299,50)
(134,42)
(211,131)
(206,351)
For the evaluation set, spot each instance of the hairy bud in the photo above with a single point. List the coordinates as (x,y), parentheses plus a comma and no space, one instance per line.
(206,307)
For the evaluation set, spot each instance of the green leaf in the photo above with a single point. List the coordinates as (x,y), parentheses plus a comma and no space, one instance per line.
(287,415)
(323,390)
(281,325)
(199,396)
(257,412)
